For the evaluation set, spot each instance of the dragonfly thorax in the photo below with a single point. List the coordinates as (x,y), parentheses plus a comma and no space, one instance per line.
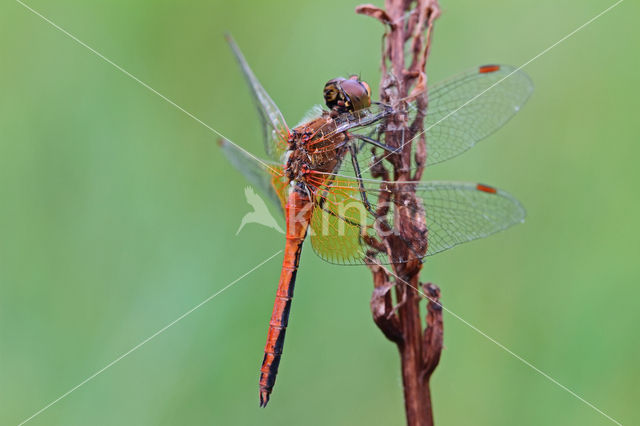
(314,146)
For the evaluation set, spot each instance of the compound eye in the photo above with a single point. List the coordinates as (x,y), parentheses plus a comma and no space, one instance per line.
(363,83)
(357,93)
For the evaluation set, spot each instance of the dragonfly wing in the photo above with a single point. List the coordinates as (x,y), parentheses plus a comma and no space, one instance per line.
(266,176)
(455,212)
(340,222)
(458,212)
(467,108)
(276,132)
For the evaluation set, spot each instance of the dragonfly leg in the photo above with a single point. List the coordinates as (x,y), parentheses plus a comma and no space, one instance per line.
(365,201)
(377,143)
(356,168)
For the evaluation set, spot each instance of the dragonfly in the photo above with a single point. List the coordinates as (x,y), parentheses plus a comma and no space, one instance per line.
(324,175)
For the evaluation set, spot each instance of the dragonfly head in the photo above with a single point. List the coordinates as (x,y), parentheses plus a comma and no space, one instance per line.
(347,94)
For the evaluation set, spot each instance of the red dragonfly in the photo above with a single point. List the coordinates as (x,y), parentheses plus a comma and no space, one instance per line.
(322,175)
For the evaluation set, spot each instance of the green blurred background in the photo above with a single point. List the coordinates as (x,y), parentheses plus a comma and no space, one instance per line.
(118,213)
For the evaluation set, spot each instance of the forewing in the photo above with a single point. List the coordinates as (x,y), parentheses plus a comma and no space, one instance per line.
(276,132)
(468,108)
(266,176)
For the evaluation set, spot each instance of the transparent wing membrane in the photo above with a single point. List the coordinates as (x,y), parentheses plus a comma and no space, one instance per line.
(276,132)
(460,212)
(470,107)
(266,176)
(345,228)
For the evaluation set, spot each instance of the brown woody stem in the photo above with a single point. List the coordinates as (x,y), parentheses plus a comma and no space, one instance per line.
(408,23)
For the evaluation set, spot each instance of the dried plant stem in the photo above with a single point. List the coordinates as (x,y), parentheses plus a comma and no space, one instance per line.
(408,23)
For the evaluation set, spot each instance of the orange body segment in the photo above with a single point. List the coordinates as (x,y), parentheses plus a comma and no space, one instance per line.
(298,216)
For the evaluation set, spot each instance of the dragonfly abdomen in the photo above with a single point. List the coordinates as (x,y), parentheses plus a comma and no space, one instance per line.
(298,218)
(275,340)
